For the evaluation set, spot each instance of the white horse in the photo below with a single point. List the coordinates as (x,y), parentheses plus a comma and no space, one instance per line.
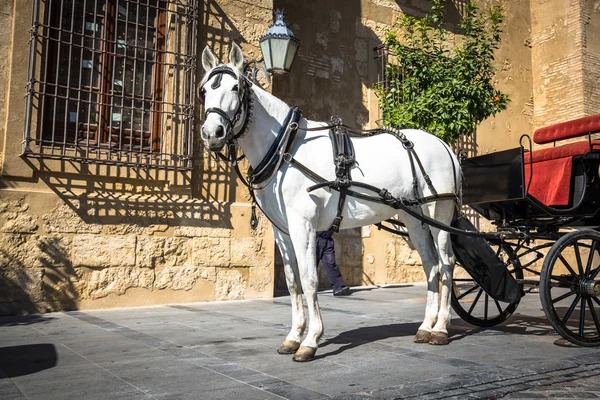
(297,215)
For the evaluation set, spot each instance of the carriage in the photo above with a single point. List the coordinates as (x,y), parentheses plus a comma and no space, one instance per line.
(543,204)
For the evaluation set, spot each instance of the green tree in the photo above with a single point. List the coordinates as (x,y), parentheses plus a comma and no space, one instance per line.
(443,88)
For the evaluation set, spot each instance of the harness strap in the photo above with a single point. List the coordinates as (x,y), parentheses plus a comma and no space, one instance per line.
(343,159)
(270,164)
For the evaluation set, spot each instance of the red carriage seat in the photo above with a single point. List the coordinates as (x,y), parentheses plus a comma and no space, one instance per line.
(552,167)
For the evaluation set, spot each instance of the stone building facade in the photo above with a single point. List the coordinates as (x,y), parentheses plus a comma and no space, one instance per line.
(96,234)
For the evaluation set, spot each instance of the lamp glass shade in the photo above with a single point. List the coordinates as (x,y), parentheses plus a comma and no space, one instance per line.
(265,48)
(278,52)
(291,54)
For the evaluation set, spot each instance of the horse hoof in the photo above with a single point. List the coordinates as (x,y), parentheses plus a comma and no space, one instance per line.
(439,339)
(288,347)
(422,337)
(304,354)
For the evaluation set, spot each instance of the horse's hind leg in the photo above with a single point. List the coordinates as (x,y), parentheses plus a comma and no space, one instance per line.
(420,237)
(290,265)
(443,212)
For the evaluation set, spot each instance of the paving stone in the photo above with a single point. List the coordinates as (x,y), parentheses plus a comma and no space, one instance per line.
(226,350)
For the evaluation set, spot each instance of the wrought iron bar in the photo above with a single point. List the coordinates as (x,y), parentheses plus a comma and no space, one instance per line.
(111,81)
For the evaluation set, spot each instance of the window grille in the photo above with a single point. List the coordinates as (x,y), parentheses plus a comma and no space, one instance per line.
(112,81)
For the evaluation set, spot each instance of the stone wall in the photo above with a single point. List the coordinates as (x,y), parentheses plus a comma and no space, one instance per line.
(87,236)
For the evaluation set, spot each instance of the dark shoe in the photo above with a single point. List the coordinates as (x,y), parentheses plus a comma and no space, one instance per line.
(344,291)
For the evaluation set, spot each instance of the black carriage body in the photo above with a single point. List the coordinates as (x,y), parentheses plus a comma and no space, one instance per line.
(494,186)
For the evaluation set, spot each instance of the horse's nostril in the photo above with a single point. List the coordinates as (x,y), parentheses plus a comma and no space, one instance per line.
(220,132)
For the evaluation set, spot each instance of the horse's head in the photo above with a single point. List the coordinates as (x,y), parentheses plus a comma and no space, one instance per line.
(222,91)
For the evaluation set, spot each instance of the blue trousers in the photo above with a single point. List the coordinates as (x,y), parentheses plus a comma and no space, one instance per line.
(326,254)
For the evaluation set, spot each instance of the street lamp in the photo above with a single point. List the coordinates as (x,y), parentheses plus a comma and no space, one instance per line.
(279,45)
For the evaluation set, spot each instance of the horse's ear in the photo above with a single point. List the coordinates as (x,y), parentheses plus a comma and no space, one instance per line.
(236,57)
(209,61)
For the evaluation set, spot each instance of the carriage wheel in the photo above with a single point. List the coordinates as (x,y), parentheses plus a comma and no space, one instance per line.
(570,287)
(473,304)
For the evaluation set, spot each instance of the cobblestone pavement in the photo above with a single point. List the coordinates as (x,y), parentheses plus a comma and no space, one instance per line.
(226,350)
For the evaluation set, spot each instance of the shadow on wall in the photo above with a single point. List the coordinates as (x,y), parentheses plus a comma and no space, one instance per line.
(331,74)
(43,284)
(103,194)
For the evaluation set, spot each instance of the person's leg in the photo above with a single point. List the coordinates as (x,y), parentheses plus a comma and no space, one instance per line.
(328,260)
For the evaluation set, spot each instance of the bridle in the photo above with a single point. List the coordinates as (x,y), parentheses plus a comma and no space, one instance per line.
(245,102)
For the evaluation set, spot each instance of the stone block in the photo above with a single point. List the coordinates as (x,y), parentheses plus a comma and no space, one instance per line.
(21,285)
(183,278)
(64,219)
(213,252)
(352,252)
(260,279)
(248,252)
(34,251)
(103,251)
(139,228)
(95,284)
(230,284)
(197,231)
(158,251)
(398,253)
(19,223)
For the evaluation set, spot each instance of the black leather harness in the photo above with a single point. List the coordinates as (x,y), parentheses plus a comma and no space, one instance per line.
(343,158)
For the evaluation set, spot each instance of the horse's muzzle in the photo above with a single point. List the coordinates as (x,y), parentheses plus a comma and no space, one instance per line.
(216,147)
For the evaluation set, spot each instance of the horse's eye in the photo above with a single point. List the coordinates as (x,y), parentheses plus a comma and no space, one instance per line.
(235,88)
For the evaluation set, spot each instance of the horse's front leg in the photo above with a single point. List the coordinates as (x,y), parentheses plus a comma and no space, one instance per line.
(303,238)
(290,265)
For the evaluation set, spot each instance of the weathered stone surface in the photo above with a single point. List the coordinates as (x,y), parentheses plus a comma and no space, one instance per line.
(154,252)
(177,278)
(103,251)
(196,231)
(248,252)
(34,251)
(21,285)
(142,228)
(209,273)
(19,223)
(402,263)
(260,278)
(13,217)
(352,251)
(94,284)
(213,252)
(230,284)
(64,219)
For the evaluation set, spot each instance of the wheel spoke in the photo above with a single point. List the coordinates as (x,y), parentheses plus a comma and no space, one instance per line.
(595,273)
(596,300)
(498,306)
(467,292)
(593,311)
(560,256)
(560,279)
(485,312)
(475,301)
(582,317)
(564,296)
(588,266)
(570,310)
(578,257)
